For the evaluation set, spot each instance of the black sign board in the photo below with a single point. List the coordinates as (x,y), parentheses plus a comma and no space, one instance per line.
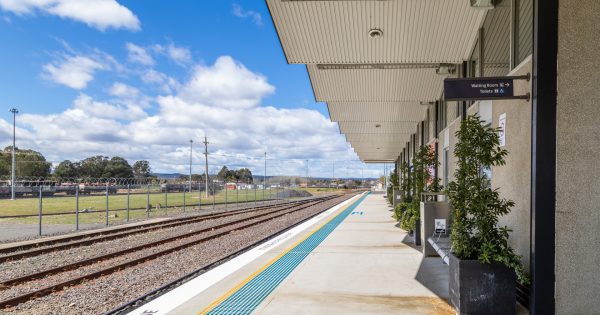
(490,88)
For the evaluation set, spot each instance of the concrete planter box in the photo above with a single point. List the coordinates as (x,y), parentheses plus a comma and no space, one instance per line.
(477,288)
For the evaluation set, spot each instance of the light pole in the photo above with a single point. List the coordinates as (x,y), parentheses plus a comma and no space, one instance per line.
(206,164)
(265,177)
(14,111)
(191,148)
(307,174)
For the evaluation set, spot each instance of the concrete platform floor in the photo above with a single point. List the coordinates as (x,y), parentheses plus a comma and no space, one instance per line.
(365,266)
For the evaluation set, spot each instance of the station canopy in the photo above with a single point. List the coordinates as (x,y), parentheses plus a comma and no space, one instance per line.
(374,62)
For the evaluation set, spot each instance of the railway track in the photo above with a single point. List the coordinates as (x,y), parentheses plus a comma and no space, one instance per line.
(163,247)
(42,247)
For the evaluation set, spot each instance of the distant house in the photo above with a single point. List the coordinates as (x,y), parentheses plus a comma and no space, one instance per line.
(231,186)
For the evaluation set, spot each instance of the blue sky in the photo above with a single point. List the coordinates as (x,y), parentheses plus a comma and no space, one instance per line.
(140,78)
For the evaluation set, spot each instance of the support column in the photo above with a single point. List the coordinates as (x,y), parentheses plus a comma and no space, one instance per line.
(543,156)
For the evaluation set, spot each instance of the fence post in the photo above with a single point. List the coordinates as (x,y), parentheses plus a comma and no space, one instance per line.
(107,204)
(254,196)
(77,207)
(128,193)
(184,189)
(147,200)
(214,193)
(166,198)
(237,194)
(226,200)
(199,197)
(40,214)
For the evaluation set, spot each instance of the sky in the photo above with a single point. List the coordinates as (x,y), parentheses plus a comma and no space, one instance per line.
(140,79)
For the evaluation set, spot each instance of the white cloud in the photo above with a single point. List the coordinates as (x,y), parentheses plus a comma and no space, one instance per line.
(139,55)
(227,83)
(179,55)
(238,11)
(100,14)
(73,71)
(166,83)
(221,101)
(91,108)
(123,90)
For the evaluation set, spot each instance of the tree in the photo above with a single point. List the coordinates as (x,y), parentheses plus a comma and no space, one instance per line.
(476,207)
(244,175)
(29,163)
(66,169)
(4,163)
(118,167)
(93,167)
(141,169)
(223,174)
(423,161)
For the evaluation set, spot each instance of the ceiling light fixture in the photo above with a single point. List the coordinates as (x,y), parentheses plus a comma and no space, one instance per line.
(375,33)
(482,4)
(445,69)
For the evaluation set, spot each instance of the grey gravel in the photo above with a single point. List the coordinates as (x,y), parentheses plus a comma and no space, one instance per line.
(103,294)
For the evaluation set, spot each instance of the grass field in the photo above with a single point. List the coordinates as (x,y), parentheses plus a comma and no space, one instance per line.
(160,203)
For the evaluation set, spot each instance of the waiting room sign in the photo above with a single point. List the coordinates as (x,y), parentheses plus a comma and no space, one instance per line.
(486,88)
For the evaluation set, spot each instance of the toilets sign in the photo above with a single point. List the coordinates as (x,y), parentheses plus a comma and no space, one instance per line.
(473,89)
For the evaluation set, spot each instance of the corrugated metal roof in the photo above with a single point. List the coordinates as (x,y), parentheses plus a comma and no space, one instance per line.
(433,31)
(385,137)
(376,111)
(397,127)
(376,85)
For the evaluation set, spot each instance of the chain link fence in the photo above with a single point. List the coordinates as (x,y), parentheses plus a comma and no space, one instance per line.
(52,206)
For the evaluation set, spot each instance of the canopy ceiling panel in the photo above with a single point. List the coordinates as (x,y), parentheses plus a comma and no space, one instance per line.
(376,111)
(412,31)
(394,127)
(374,137)
(376,85)
(396,148)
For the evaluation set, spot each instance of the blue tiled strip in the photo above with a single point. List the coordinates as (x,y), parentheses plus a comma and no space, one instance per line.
(248,297)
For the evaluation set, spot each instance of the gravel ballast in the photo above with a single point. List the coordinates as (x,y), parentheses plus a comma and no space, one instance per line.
(105,293)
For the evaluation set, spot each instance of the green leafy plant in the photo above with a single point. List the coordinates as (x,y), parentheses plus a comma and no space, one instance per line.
(423,161)
(476,207)
(393,182)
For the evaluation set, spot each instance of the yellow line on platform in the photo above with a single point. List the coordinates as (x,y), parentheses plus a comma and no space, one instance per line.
(272,261)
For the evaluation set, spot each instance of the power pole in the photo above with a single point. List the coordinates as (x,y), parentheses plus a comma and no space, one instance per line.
(333,173)
(206,164)
(13,170)
(191,148)
(306,173)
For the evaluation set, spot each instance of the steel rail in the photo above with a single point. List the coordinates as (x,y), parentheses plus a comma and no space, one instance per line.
(106,271)
(155,293)
(20,280)
(90,238)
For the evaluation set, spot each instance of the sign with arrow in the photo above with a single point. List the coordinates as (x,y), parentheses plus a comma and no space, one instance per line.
(474,89)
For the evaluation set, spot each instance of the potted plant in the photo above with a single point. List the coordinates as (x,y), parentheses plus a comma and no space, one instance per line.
(482,264)
(405,196)
(420,176)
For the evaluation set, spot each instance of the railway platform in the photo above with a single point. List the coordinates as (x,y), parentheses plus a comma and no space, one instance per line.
(352,259)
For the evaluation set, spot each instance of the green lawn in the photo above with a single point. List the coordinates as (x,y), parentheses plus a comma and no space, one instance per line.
(174,201)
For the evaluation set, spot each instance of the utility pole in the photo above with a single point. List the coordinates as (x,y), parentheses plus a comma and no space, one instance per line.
(191,148)
(206,166)
(13,170)
(306,173)
(333,173)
